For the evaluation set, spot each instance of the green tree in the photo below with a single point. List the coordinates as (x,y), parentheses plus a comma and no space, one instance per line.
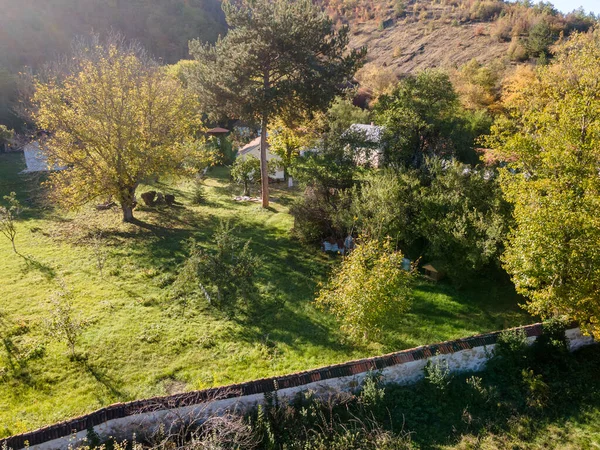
(278,55)
(541,37)
(476,85)
(222,276)
(246,171)
(8,217)
(342,113)
(288,136)
(422,117)
(327,174)
(5,135)
(385,204)
(115,118)
(462,217)
(369,291)
(449,212)
(551,138)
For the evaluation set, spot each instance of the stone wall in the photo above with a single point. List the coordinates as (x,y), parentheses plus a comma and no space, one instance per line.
(122,420)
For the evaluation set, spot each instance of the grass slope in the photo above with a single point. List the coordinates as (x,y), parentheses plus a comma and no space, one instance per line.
(139,343)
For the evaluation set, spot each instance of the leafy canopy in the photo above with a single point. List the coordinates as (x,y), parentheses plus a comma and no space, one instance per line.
(246,171)
(551,137)
(278,55)
(423,118)
(370,290)
(450,213)
(114,118)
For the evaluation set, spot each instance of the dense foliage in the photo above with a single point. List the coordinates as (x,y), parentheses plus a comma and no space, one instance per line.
(246,171)
(114,118)
(550,136)
(422,117)
(447,212)
(370,290)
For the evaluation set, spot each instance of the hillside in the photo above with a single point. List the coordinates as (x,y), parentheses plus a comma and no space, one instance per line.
(412,35)
(411,47)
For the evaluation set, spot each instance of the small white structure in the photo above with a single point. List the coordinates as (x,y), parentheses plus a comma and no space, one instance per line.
(253,149)
(367,149)
(35,159)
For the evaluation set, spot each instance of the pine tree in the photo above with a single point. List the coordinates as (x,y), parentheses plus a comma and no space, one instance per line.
(278,55)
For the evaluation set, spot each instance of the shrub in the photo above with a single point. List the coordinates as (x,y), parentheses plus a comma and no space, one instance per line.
(223,276)
(517,51)
(486,10)
(246,171)
(437,375)
(198,193)
(537,390)
(369,291)
(62,324)
(510,354)
(400,8)
(319,214)
(501,30)
(372,391)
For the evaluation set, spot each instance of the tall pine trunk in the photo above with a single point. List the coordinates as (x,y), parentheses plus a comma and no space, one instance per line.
(264,171)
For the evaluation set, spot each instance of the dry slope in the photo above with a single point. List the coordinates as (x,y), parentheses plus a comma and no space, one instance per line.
(408,47)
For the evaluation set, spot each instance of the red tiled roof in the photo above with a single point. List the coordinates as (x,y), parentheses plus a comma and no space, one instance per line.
(218,130)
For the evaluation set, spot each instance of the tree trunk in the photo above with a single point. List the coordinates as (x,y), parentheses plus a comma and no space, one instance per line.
(288,154)
(127,203)
(264,171)
(127,213)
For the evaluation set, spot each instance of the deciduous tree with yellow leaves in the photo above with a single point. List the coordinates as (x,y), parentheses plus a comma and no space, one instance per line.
(114,118)
(370,290)
(551,138)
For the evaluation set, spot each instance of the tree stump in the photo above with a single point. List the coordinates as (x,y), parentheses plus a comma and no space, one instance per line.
(149,197)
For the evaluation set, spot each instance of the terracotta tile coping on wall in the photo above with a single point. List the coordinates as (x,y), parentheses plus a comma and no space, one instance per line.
(261,386)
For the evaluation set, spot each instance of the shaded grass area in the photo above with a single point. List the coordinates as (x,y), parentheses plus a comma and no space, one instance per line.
(140,343)
(542,398)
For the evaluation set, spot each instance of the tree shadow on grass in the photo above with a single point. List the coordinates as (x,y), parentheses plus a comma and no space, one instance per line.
(105,380)
(289,327)
(32,264)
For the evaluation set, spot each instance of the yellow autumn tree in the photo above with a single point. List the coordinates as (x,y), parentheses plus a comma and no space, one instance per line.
(370,290)
(289,134)
(550,137)
(114,118)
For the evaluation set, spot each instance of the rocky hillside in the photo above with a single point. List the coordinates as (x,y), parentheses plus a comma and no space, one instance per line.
(411,35)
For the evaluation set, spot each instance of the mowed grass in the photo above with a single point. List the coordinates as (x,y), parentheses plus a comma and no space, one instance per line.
(140,343)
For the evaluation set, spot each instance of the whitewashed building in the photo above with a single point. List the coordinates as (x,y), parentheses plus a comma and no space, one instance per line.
(253,149)
(35,159)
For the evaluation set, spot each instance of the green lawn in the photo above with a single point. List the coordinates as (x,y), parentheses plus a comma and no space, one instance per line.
(139,343)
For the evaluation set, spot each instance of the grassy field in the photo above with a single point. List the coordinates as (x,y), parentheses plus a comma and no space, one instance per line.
(139,343)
